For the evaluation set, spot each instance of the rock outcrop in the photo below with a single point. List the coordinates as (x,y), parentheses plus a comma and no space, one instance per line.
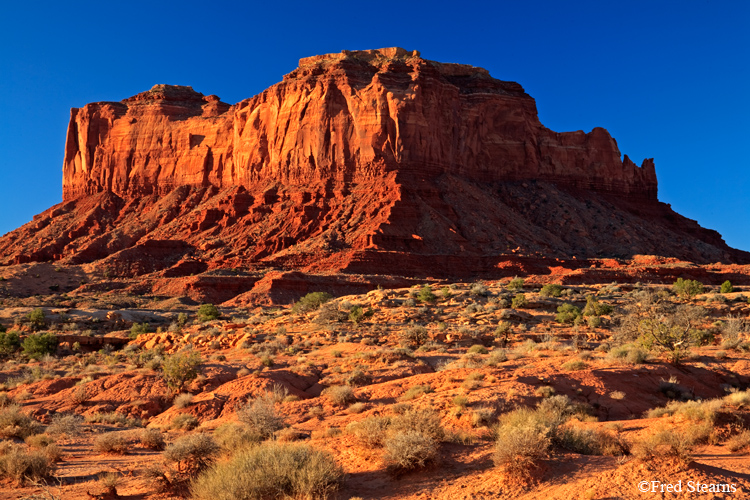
(372,162)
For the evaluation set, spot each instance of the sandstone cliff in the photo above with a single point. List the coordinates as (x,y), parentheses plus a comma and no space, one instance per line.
(372,161)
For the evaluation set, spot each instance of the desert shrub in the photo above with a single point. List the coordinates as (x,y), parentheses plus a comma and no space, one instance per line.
(23,466)
(687,288)
(663,444)
(567,314)
(406,450)
(738,398)
(192,453)
(594,321)
(330,313)
(696,411)
(371,431)
(152,439)
(180,368)
(356,313)
(628,353)
(515,284)
(311,302)
(356,408)
(519,301)
(208,312)
(595,308)
(551,290)
(479,290)
(340,394)
(521,441)
(10,342)
(184,421)
(415,392)
(138,329)
(15,423)
(114,418)
(234,436)
(739,442)
(733,332)
(574,365)
(272,471)
(477,349)
(481,416)
(68,424)
(426,295)
(461,401)
(414,336)
(590,441)
(112,442)
(38,345)
(496,357)
(183,400)
(36,319)
(425,421)
(726,287)
(261,417)
(40,440)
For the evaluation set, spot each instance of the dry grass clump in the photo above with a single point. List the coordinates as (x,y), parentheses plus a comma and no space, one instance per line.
(152,439)
(522,439)
(15,423)
(628,354)
(183,400)
(410,440)
(271,470)
(261,417)
(739,442)
(340,394)
(664,444)
(23,466)
(113,442)
(415,392)
(235,436)
(591,442)
(691,410)
(409,449)
(114,418)
(184,421)
(192,453)
(68,424)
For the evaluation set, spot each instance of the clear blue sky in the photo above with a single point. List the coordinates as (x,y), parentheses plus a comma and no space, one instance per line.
(668,79)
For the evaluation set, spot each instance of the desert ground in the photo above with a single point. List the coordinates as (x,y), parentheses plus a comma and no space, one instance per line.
(511,388)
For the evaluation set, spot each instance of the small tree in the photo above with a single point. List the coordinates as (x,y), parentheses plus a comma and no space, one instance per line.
(687,288)
(180,368)
(426,295)
(516,284)
(37,319)
(10,342)
(727,287)
(551,290)
(311,302)
(207,312)
(37,345)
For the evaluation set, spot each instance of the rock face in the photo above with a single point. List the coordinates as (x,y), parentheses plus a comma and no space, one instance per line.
(339,118)
(373,161)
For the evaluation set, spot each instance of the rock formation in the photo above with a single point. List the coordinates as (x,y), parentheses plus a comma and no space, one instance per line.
(372,161)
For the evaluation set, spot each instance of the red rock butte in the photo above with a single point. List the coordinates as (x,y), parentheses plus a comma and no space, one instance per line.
(375,161)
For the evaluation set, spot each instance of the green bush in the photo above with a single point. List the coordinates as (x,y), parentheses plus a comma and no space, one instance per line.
(687,288)
(180,368)
(426,295)
(356,313)
(595,308)
(270,471)
(551,290)
(519,301)
(10,342)
(208,312)
(37,319)
(727,287)
(515,284)
(40,344)
(311,302)
(138,329)
(567,314)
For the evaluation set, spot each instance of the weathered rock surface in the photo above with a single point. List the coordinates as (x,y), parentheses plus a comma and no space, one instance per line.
(371,162)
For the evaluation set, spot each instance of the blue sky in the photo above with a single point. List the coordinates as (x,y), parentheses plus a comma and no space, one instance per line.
(669,80)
